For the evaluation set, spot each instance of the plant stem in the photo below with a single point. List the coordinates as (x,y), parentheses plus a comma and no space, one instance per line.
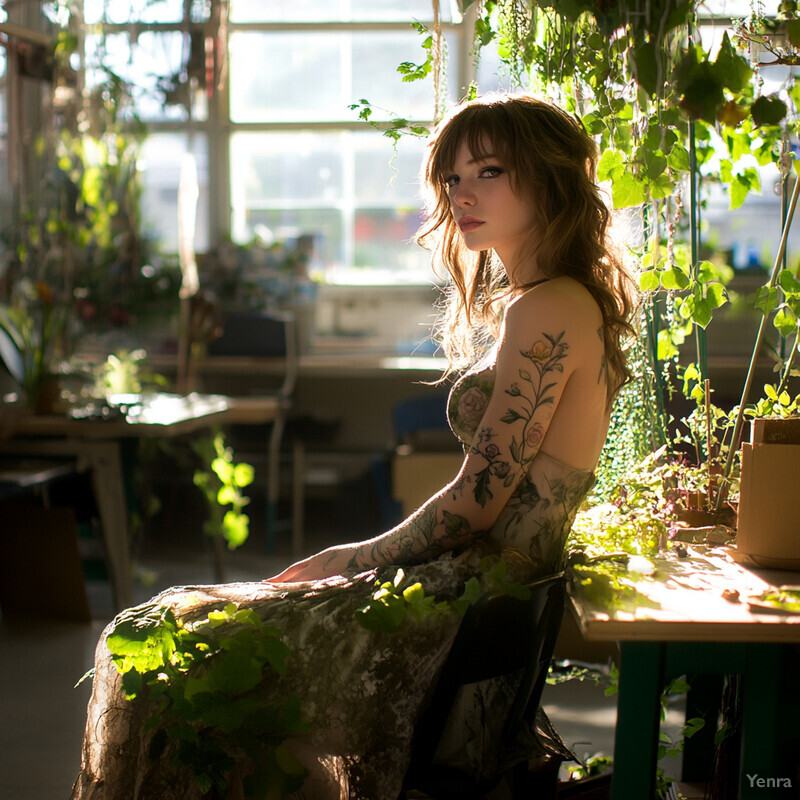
(789,363)
(737,427)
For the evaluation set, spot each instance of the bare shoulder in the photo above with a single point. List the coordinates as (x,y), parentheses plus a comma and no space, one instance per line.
(562,303)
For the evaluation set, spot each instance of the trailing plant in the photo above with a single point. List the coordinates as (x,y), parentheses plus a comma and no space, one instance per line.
(396,601)
(221,484)
(207,687)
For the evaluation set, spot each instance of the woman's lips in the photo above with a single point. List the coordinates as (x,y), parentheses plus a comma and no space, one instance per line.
(467,224)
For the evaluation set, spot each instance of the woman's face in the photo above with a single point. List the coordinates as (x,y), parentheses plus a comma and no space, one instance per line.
(485,208)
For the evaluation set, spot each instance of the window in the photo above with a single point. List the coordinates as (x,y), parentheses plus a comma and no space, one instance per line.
(5,181)
(266,115)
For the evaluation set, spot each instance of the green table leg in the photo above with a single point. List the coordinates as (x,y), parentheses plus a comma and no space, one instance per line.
(763,749)
(638,717)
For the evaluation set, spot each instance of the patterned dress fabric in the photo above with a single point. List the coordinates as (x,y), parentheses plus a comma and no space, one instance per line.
(361,691)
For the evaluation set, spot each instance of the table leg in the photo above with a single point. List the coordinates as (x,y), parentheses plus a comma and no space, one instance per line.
(104,459)
(766,754)
(641,679)
(106,464)
(273,479)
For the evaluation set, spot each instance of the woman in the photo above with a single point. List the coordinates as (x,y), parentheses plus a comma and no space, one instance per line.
(539,307)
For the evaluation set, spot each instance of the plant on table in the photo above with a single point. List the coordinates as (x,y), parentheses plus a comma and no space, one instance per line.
(32,329)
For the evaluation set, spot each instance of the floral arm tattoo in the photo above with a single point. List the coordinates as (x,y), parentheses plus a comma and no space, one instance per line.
(423,537)
(502,455)
(532,392)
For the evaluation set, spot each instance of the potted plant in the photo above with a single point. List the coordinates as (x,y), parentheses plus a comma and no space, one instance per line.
(32,329)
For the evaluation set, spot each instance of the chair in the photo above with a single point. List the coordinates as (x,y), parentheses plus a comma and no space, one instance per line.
(419,425)
(265,335)
(498,635)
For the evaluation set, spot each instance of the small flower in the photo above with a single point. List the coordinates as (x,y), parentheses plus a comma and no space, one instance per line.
(492,451)
(472,405)
(534,435)
(540,351)
(501,468)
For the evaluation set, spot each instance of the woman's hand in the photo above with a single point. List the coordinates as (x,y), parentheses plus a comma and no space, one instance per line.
(333,561)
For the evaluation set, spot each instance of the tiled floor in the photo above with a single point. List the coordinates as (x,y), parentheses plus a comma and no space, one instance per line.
(41,661)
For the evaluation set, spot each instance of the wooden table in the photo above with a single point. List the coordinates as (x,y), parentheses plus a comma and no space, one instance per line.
(96,444)
(680,623)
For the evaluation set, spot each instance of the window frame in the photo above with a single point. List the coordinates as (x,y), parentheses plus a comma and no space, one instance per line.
(219,128)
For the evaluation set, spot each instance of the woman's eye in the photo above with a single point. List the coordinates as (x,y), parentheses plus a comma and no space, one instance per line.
(491,172)
(451,181)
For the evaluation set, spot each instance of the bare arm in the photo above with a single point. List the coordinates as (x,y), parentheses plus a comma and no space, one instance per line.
(534,364)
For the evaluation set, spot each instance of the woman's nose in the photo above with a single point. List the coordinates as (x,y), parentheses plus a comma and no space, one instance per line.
(463,196)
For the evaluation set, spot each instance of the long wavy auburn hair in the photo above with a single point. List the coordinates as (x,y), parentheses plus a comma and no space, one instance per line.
(551,162)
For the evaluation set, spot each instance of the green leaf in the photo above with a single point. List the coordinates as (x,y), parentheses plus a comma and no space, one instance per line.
(698,310)
(626,191)
(768,110)
(715,295)
(275,653)
(788,282)
(610,165)
(649,281)
(643,65)
(223,469)
(654,162)
(678,159)
(785,321)
(236,528)
(243,475)
(732,68)
(740,188)
(766,299)
(674,279)
(226,495)
(414,593)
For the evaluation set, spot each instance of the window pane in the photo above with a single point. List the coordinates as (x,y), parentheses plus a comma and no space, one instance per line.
(315,76)
(160,169)
(124,11)
(153,68)
(337,11)
(5,183)
(345,190)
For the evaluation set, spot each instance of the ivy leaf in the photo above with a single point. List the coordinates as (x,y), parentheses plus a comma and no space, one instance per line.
(674,278)
(654,162)
(698,310)
(626,191)
(732,67)
(649,281)
(275,653)
(610,165)
(740,188)
(732,114)
(766,299)
(788,282)
(785,321)
(715,295)
(643,65)
(678,159)
(661,187)
(593,123)
(768,110)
